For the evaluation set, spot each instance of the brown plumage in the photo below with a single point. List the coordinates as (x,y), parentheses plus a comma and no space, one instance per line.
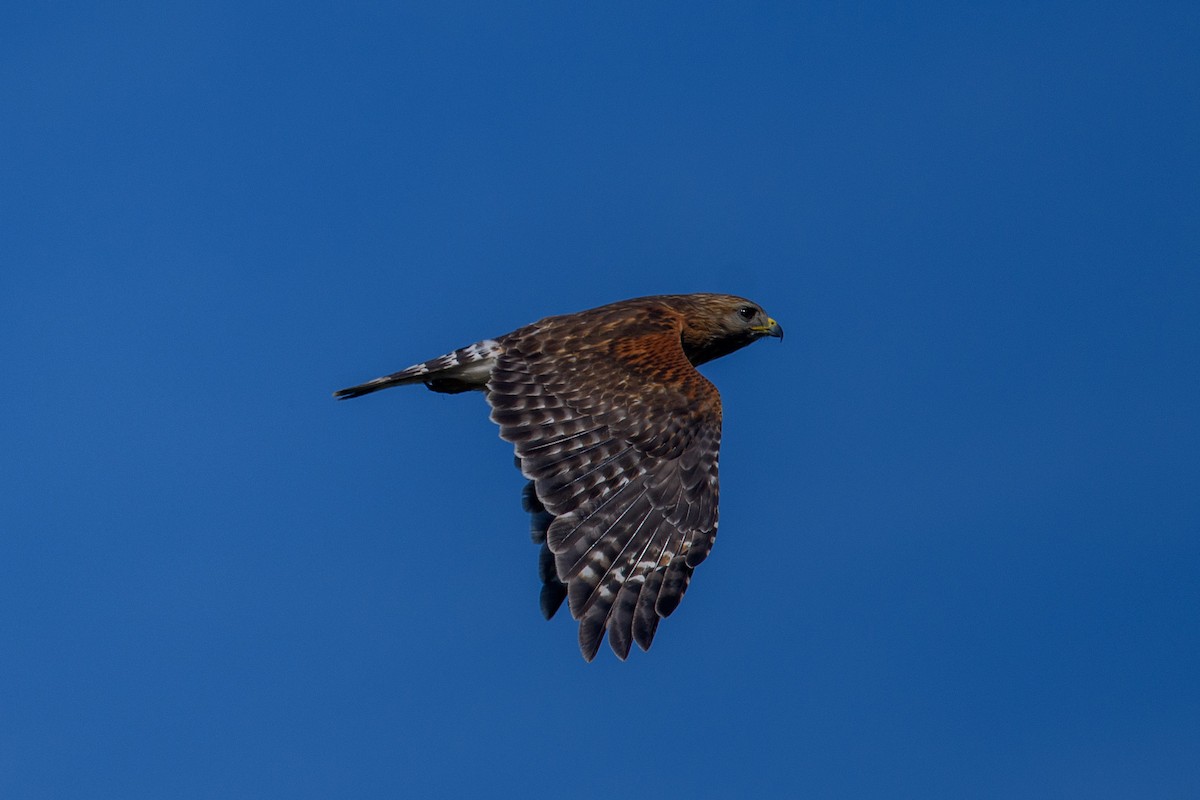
(619,436)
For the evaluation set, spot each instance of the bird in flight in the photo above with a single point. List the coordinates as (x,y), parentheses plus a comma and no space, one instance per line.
(618,435)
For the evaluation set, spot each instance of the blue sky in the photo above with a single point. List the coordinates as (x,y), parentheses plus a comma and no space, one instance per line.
(960,508)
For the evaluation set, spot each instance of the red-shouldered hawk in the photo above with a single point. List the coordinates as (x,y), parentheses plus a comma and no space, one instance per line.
(618,435)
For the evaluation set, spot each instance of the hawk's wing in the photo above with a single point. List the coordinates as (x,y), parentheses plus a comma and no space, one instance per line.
(619,434)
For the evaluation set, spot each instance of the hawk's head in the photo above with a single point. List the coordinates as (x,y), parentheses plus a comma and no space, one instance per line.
(715,325)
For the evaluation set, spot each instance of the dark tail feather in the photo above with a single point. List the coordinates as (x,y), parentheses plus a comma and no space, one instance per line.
(463,370)
(400,378)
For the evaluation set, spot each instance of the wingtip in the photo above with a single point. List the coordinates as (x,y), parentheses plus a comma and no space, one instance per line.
(591,634)
(551,599)
(620,643)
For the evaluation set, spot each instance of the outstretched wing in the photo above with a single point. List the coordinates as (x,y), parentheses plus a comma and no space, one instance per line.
(619,435)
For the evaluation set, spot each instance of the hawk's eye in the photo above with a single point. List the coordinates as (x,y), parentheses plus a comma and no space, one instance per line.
(747,312)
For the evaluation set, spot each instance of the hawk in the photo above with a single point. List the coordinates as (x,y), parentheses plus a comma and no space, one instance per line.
(618,435)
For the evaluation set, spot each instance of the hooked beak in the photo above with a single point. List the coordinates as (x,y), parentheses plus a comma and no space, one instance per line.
(772,328)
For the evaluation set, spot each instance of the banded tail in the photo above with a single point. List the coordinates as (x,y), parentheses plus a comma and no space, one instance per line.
(463,370)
